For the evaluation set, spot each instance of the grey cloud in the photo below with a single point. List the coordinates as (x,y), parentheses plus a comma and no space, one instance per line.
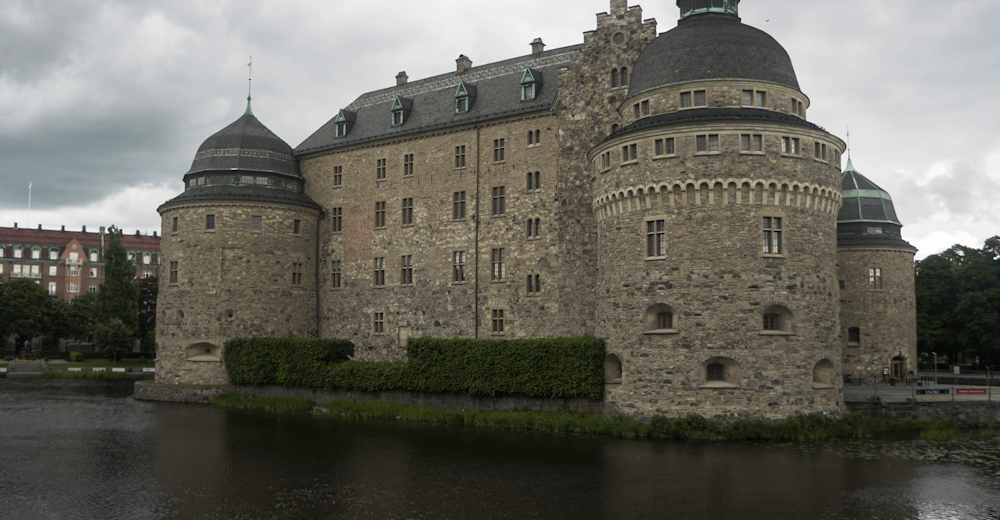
(964,192)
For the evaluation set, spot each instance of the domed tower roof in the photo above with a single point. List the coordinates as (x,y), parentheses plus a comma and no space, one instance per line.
(710,42)
(245,161)
(867,215)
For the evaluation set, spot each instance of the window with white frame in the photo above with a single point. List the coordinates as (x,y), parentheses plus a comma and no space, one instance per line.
(53,254)
(52,289)
(52,270)
(790,145)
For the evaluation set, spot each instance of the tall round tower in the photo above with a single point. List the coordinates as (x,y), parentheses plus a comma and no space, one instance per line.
(716,211)
(878,312)
(239,249)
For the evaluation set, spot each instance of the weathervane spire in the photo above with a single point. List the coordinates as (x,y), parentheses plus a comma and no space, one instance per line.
(249,111)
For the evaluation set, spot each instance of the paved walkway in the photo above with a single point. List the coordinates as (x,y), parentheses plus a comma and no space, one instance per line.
(900,393)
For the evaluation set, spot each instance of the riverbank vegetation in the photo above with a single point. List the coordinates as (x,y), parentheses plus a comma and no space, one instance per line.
(270,404)
(809,428)
(549,367)
(59,374)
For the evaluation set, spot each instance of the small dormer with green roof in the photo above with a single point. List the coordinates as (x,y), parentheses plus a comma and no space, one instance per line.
(465,96)
(531,84)
(343,123)
(867,216)
(401,108)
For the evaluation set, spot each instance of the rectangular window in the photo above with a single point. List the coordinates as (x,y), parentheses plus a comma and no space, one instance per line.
(147,259)
(52,289)
(380,214)
(772,322)
(255,223)
(53,254)
(630,153)
(499,265)
(499,201)
(73,272)
(407,212)
(335,274)
(297,227)
(606,160)
(824,152)
(816,154)
(173,229)
(378,280)
(854,335)
(773,243)
(656,238)
(460,156)
(296,274)
(378,323)
(52,270)
(534,284)
(338,176)
(408,165)
(758,143)
(761,98)
(702,143)
(173,272)
(700,98)
(498,321)
(406,270)
(751,143)
(93,272)
(18,252)
(458,266)
(795,146)
(665,321)
(36,254)
(685,99)
(713,143)
(635,111)
(747,98)
(458,207)
(790,145)
(875,278)
(337,220)
(707,143)
(93,287)
(73,288)
(499,150)
(534,181)
(93,254)
(15,270)
(380,170)
(534,228)
(658,147)
(645,108)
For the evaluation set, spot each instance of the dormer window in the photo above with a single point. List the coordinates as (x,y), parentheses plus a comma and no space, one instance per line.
(465,95)
(531,84)
(343,123)
(401,108)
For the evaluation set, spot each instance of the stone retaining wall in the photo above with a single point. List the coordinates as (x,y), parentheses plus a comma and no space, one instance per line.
(147,391)
(966,414)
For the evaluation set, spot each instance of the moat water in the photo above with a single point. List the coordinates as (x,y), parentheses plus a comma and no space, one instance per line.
(80,450)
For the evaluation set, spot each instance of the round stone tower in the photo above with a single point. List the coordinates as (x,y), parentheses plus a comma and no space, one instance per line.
(239,249)
(716,211)
(878,312)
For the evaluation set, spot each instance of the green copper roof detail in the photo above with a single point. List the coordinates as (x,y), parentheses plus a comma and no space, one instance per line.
(850,166)
(249,111)
(693,7)
(870,194)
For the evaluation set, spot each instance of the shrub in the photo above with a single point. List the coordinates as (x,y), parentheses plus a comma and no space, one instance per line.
(58,354)
(76,357)
(284,361)
(370,377)
(271,404)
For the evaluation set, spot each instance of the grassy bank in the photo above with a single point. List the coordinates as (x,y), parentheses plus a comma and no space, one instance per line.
(270,404)
(53,374)
(811,428)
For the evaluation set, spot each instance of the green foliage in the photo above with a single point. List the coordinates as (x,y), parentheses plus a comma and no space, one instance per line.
(76,357)
(270,404)
(113,338)
(58,354)
(26,310)
(958,303)
(368,376)
(59,374)
(81,317)
(118,296)
(149,288)
(284,361)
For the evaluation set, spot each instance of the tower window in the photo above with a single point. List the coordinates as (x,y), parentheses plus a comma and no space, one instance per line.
(173,272)
(630,153)
(297,227)
(707,143)
(378,279)
(624,73)
(534,181)
(458,266)
(498,321)
(338,176)
(751,143)
(336,220)
(664,146)
(697,98)
(173,229)
(773,239)
(534,284)
(380,170)
(460,157)
(499,201)
(614,78)
(380,214)
(499,149)
(408,165)
(499,265)
(534,228)
(715,372)
(378,323)
(875,279)
(297,274)
(656,239)
(458,207)
(645,108)
(406,270)
(854,336)
(335,279)
(408,212)
(255,223)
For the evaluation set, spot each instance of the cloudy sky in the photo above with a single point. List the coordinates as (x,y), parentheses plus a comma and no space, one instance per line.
(103,103)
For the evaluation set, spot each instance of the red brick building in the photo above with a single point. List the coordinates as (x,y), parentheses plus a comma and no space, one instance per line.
(69,263)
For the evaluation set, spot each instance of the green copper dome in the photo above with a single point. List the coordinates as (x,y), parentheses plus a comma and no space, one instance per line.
(867,217)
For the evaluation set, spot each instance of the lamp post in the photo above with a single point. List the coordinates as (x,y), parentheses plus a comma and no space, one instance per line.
(935,367)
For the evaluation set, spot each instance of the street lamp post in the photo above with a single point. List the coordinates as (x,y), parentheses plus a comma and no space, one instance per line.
(935,367)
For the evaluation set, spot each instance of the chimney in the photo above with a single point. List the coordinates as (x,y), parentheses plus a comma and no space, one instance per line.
(154,234)
(137,233)
(15,226)
(63,229)
(537,47)
(464,64)
(84,230)
(401,78)
(39,227)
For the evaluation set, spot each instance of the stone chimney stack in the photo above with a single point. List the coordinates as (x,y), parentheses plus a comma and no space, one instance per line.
(464,63)
(537,47)
(39,227)
(619,7)
(15,226)
(63,229)
(84,230)
(401,78)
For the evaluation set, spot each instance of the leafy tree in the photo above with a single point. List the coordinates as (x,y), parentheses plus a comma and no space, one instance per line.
(113,338)
(118,297)
(148,291)
(25,311)
(81,317)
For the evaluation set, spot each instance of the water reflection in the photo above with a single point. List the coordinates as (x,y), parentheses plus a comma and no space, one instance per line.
(89,451)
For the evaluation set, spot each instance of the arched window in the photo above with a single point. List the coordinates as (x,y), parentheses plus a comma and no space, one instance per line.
(660,319)
(854,337)
(823,374)
(612,369)
(719,372)
(624,75)
(531,137)
(614,78)
(776,320)
(203,352)
(614,128)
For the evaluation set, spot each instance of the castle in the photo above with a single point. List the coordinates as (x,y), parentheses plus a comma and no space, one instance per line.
(664,192)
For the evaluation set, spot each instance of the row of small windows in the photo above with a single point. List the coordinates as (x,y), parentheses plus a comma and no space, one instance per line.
(35,253)
(498,208)
(498,264)
(244,180)
(465,99)
(711,144)
(661,319)
(256,224)
(35,271)
(772,234)
(619,77)
(497,322)
(874,280)
(722,372)
(699,98)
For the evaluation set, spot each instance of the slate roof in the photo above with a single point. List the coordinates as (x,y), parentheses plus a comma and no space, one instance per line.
(711,46)
(245,145)
(497,90)
(707,115)
(864,201)
(242,193)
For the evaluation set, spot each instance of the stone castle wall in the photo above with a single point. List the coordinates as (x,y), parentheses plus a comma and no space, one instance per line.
(887,318)
(232,282)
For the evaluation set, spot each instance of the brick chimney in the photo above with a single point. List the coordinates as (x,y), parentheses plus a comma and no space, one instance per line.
(15,226)
(63,229)
(464,63)
(537,47)
(84,230)
(39,227)
(401,78)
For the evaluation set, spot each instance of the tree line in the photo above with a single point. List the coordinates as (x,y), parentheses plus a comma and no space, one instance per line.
(958,304)
(122,310)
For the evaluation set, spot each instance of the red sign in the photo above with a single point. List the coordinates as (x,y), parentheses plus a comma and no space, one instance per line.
(968,391)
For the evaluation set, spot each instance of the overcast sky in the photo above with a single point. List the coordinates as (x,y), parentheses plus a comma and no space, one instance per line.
(103,103)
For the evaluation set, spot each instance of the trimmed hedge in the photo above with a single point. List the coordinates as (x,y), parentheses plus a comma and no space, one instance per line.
(58,354)
(554,367)
(284,361)
(76,357)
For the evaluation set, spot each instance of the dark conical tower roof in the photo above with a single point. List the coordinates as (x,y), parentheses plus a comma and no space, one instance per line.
(867,216)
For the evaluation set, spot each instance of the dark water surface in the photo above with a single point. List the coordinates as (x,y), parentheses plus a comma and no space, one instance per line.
(85,450)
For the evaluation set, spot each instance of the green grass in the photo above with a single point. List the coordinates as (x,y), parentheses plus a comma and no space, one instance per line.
(270,404)
(98,363)
(54,374)
(810,428)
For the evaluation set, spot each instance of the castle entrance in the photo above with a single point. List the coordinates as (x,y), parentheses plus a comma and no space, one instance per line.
(898,367)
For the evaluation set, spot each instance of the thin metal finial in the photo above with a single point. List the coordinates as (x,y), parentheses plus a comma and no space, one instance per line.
(249,111)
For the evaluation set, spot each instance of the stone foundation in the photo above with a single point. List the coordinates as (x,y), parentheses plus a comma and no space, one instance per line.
(965,414)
